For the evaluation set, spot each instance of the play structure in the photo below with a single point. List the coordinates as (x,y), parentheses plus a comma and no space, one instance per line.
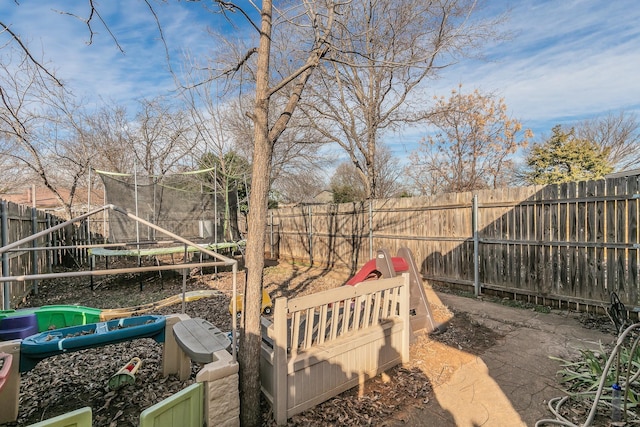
(214,259)
(386,266)
(160,250)
(190,204)
(166,250)
(315,346)
(178,333)
(19,324)
(93,328)
(37,347)
(160,253)
(26,353)
(200,339)
(322,344)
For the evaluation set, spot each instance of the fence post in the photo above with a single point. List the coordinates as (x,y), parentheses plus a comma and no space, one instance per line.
(34,244)
(6,294)
(49,253)
(310,237)
(56,236)
(476,244)
(370,229)
(271,235)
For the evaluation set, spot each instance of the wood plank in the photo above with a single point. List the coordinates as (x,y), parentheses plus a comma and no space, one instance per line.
(600,266)
(572,236)
(309,324)
(610,236)
(367,311)
(322,328)
(516,249)
(539,249)
(551,194)
(376,308)
(633,281)
(295,333)
(621,234)
(334,320)
(590,237)
(563,235)
(584,287)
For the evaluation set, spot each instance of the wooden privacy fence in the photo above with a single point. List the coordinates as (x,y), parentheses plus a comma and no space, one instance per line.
(573,242)
(18,222)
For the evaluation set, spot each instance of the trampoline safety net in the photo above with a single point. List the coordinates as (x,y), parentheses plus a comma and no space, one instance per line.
(176,203)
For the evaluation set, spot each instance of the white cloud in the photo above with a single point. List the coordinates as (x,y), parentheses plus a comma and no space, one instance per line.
(100,69)
(568,60)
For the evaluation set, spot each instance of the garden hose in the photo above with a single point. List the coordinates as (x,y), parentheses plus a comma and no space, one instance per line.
(630,379)
(618,315)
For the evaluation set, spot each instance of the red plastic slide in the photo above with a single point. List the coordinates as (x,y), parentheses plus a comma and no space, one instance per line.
(399,264)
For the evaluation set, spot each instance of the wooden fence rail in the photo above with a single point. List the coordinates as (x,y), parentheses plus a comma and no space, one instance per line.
(574,242)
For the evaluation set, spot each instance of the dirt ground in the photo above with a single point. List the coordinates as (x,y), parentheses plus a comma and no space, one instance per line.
(67,382)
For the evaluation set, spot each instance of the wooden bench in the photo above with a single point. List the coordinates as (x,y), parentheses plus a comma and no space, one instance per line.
(324,343)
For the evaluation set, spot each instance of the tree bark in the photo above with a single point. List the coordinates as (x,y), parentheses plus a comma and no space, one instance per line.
(249,354)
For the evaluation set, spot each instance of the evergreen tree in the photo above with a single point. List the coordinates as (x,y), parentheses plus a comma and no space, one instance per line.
(566,158)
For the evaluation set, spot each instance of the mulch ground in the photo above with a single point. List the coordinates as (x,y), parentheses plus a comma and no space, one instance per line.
(67,382)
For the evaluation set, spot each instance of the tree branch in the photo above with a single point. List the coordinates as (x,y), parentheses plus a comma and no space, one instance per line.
(28,53)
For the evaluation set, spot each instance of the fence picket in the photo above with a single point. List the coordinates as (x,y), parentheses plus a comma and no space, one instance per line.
(633,188)
(20,224)
(573,241)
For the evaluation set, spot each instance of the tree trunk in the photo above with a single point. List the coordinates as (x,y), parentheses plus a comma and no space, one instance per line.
(249,354)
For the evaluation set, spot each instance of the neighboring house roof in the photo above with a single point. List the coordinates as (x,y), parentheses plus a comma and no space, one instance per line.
(46,200)
(621,174)
(323,197)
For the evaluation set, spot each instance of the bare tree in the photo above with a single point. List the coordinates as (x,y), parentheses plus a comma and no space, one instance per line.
(295,156)
(471,146)
(319,19)
(348,184)
(163,136)
(109,135)
(299,188)
(616,133)
(382,53)
(39,119)
(216,149)
(390,174)
(14,173)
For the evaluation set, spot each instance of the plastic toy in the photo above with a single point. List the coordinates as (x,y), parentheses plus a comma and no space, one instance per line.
(126,374)
(267,304)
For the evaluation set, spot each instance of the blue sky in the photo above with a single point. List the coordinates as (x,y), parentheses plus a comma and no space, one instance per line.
(567,60)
